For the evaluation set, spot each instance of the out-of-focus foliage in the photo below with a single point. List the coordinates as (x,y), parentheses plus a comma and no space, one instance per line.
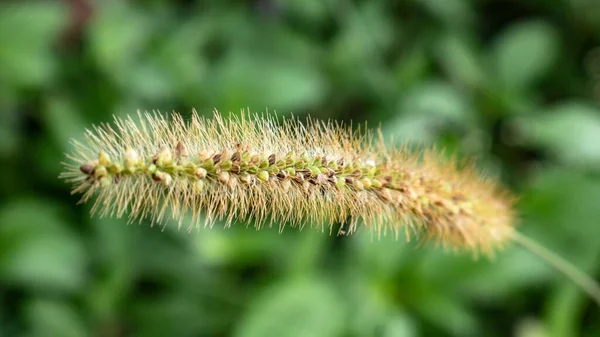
(512,83)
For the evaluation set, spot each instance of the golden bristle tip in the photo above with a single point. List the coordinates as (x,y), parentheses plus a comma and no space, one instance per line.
(266,169)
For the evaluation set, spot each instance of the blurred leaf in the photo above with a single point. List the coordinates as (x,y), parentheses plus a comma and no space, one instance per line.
(242,245)
(63,121)
(175,314)
(118,35)
(376,310)
(372,306)
(530,327)
(511,271)
(427,109)
(10,137)
(243,79)
(37,250)
(53,318)
(366,33)
(439,100)
(454,13)
(296,308)
(312,11)
(29,31)
(148,80)
(566,309)
(114,247)
(179,61)
(380,258)
(411,69)
(570,131)
(460,61)
(524,52)
(447,313)
(560,208)
(400,325)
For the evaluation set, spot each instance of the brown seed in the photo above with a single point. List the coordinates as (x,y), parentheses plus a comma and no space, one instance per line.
(162,177)
(182,151)
(235,169)
(87,168)
(272,159)
(217,158)
(237,156)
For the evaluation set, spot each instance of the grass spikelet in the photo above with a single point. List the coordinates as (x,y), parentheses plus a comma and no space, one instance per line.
(269,170)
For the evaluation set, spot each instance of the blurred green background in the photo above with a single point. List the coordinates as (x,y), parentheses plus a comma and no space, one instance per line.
(514,83)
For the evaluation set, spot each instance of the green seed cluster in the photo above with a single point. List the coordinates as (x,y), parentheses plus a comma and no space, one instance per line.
(230,168)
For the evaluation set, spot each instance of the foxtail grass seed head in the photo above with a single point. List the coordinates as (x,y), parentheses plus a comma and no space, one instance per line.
(265,170)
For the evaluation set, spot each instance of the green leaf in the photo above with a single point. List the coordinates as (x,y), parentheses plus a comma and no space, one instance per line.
(410,70)
(178,60)
(176,314)
(118,36)
(451,12)
(297,308)
(562,209)
(460,60)
(312,11)
(570,131)
(259,81)
(400,325)
(448,314)
(426,109)
(53,318)
(36,248)
(366,32)
(380,258)
(62,121)
(10,135)
(525,52)
(28,31)
(376,309)
(115,249)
